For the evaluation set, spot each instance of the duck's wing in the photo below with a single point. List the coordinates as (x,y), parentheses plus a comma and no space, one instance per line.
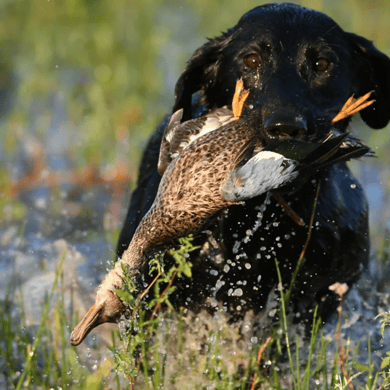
(333,149)
(281,162)
(265,171)
(165,156)
(350,148)
(178,136)
(308,153)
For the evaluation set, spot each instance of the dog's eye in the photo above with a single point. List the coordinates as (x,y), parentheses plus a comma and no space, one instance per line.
(322,65)
(253,61)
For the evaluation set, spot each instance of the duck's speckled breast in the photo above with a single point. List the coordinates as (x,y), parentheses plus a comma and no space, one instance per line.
(190,189)
(193,180)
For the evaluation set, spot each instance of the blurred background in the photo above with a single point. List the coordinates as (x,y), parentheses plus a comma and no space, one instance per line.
(83,84)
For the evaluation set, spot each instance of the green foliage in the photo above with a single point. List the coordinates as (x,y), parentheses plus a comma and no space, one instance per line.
(144,352)
(144,322)
(147,347)
(183,267)
(103,61)
(385,365)
(41,357)
(126,294)
(385,321)
(12,211)
(31,356)
(98,58)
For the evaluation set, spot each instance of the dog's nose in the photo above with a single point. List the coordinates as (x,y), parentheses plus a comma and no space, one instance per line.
(282,127)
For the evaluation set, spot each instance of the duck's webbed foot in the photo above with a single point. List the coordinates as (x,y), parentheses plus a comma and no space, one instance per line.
(352,106)
(240,95)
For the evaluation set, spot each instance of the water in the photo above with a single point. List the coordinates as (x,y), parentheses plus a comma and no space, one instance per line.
(63,217)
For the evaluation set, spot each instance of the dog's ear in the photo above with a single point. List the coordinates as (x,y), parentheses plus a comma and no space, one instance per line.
(200,72)
(373,72)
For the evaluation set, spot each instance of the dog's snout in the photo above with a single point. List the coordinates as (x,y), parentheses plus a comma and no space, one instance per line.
(281,127)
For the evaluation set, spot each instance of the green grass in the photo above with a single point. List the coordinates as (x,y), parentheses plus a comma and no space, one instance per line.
(41,357)
(144,352)
(161,348)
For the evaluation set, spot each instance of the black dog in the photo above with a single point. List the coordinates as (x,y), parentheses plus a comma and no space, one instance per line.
(300,68)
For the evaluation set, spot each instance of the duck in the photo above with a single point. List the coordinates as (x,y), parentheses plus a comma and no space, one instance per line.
(208,164)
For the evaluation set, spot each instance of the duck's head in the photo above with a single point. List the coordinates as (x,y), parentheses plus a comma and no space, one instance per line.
(107,308)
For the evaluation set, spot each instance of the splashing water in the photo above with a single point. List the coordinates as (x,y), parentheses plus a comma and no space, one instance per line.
(250,232)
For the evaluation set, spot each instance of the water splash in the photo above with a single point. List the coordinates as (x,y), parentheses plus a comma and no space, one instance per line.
(250,232)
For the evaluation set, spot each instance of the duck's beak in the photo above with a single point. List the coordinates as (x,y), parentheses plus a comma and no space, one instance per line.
(108,310)
(91,320)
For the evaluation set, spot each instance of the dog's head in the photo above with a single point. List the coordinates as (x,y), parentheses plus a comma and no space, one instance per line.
(299,66)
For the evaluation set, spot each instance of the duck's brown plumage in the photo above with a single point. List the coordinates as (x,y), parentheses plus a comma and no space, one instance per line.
(189,194)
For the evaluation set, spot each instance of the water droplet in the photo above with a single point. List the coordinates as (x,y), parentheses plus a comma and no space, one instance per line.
(238,292)
(272,313)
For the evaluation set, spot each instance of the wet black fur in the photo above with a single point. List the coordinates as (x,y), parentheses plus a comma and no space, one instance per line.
(291,96)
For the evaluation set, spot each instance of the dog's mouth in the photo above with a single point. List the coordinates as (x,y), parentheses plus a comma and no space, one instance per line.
(286,159)
(285,123)
(279,118)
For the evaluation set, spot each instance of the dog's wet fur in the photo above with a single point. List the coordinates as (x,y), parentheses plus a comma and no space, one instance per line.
(300,68)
